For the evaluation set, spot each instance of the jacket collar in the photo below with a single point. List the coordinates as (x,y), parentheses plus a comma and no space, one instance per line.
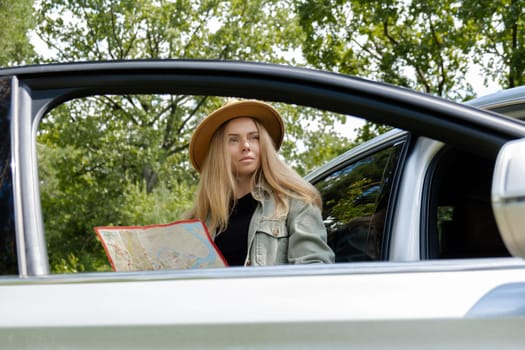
(262,191)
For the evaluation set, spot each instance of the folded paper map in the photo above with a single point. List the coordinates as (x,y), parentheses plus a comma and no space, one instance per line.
(178,245)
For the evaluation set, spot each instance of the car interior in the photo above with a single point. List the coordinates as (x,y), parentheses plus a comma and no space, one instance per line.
(461,222)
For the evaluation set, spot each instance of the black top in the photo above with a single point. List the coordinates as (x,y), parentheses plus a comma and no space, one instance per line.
(233,242)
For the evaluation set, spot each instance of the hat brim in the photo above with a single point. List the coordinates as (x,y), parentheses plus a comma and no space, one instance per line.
(260,111)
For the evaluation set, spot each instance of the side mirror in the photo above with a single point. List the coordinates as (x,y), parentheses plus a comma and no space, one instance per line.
(508,196)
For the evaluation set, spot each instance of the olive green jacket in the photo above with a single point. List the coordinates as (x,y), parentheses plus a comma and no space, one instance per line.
(298,238)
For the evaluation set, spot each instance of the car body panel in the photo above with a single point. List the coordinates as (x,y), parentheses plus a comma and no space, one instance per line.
(509,102)
(405,246)
(508,299)
(165,301)
(436,333)
(383,303)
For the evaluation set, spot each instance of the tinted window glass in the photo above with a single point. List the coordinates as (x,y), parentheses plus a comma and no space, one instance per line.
(461,221)
(8,262)
(356,200)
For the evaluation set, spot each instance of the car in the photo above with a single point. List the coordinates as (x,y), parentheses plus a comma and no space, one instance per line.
(447,191)
(425,220)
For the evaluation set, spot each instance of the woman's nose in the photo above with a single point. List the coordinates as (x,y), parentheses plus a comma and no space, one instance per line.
(245,145)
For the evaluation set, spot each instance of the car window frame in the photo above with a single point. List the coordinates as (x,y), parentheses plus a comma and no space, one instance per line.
(38,89)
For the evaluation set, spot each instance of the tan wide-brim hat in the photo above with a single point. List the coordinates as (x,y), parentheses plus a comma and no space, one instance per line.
(260,111)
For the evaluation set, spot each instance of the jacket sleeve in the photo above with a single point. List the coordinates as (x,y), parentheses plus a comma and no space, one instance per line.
(307,235)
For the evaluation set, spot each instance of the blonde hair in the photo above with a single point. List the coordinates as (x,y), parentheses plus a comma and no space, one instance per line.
(216,191)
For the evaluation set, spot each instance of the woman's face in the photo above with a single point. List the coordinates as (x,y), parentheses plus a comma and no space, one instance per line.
(242,137)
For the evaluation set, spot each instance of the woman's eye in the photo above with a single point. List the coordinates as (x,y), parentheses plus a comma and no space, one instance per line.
(233,140)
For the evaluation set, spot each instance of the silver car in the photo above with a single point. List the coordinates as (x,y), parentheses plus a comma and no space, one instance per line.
(426,222)
(423,199)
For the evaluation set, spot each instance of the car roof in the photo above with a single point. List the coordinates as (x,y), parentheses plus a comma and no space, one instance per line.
(362,149)
(510,102)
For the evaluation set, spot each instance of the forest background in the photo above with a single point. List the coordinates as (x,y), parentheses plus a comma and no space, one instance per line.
(450,48)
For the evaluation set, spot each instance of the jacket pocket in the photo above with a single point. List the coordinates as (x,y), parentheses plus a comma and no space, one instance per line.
(271,243)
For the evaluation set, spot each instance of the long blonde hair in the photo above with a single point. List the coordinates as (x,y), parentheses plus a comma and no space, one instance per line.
(216,191)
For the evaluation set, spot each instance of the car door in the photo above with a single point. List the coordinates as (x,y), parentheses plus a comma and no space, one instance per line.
(359,194)
(365,304)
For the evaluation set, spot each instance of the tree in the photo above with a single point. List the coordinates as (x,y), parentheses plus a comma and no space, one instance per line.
(131,29)
(114,160)
(94,169)
(500,38)
(16,20)
(417,44)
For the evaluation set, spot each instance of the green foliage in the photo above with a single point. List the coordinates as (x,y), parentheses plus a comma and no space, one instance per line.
(426,45)
(368,131)
(104,29)
(109,160)
(416,44)
(16,19)
(354,193)
(312,137)
(500,33)
(346,210)
(162,205)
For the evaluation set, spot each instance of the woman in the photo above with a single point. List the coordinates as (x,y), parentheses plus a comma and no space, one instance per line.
(257,209)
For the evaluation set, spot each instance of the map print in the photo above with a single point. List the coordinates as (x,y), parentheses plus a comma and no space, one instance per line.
(179,245)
